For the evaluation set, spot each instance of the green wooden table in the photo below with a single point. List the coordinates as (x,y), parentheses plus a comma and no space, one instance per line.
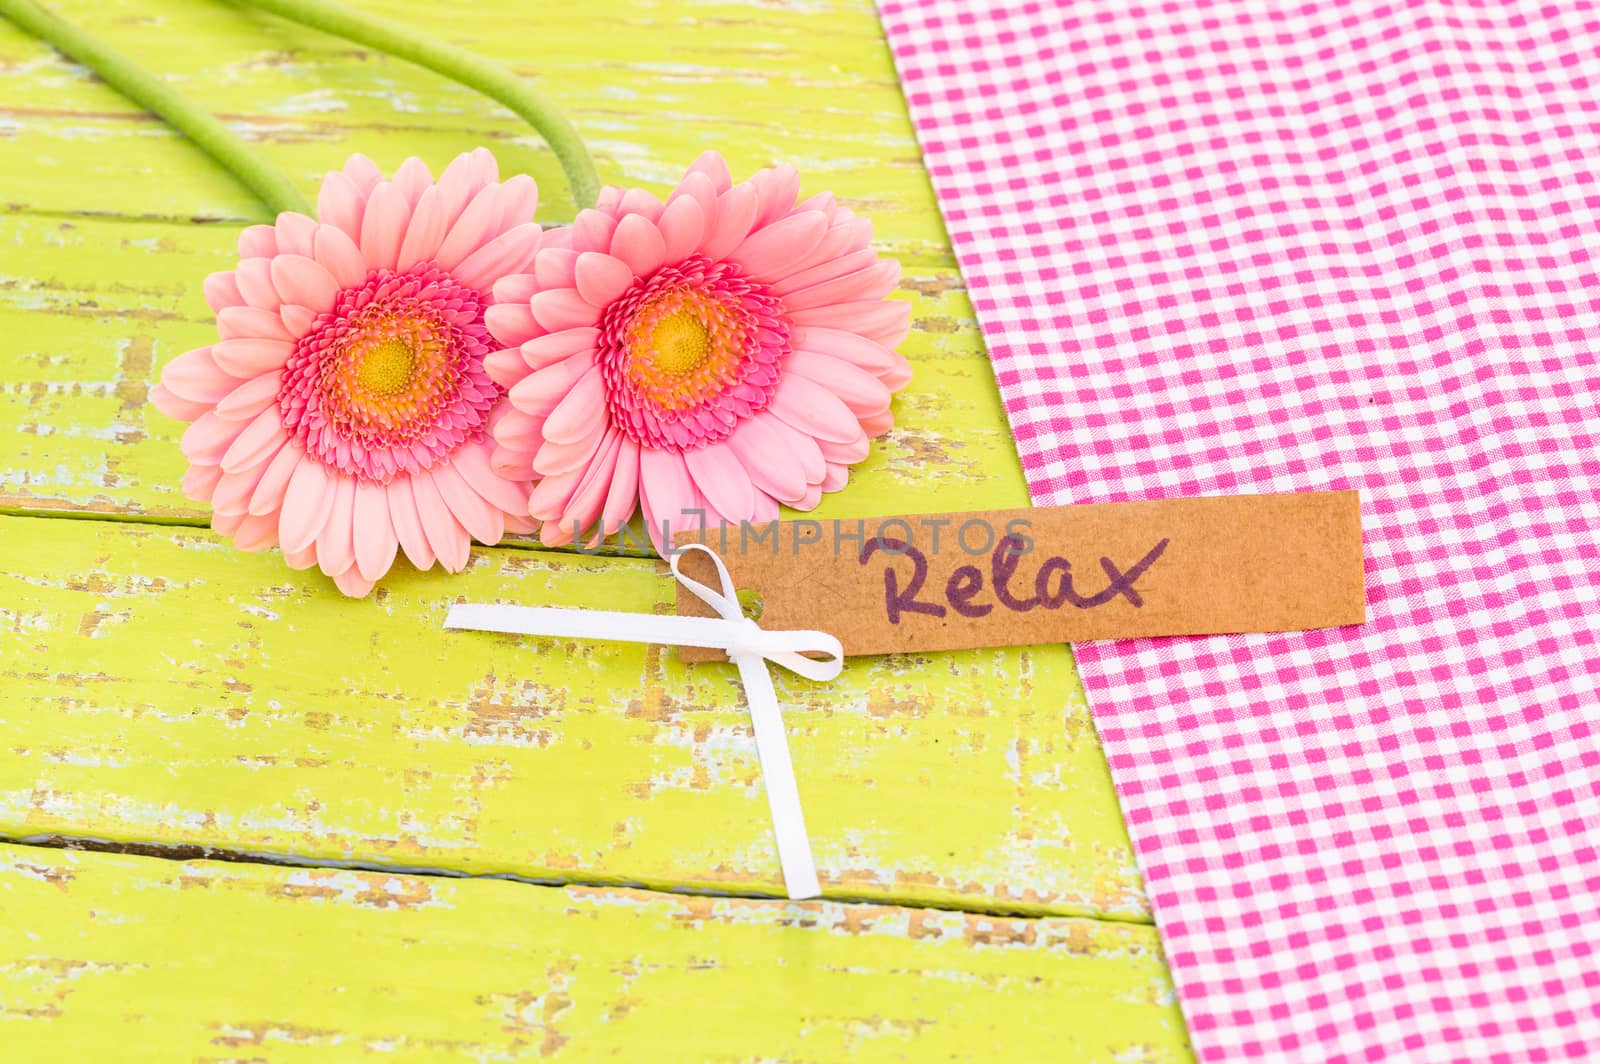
(246,819)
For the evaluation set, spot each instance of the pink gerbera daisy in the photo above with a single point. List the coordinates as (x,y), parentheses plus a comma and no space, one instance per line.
(343,412)
(725,351)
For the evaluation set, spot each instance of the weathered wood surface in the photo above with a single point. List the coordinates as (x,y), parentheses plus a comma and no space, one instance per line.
(110,957)
(162,686)
(158,687)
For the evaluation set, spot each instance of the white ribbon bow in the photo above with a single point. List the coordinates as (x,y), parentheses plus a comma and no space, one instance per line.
(746,643)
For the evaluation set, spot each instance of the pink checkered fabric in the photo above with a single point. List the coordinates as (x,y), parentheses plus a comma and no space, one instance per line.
(1223,246)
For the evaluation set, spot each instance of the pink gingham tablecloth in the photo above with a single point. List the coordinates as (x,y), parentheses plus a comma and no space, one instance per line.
(1222,246)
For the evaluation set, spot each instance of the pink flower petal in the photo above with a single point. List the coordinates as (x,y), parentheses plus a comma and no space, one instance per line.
(601,278)
(557,346)
(898,375)
(174,407)
(837,476)
(297,319)
(843,240)
(469,232)
(765,510)
(484,520)
(668,492)
(591,231)
(518,287)
(771,463)
(514,429)
(472,462)
(463,179)
(255,534)
(640,202)
(802,446)
(715,168)
(885,320)
(622,496)
(779,188)
(519,198)
(549,498)
(340,204)
(556,457)
(336,548)
(221,290)
(863,393)
(878,425)
(375,540)
(767,252)
(299,560)
(304,281)
(208,439)
(233,490)
(426,230)
(874,282)
(683,226)
(510,252)
(268,495)
(846,346)
(512,323)
(251,322)
(702,190)
(352,584)
(575,416)
(260,440)
(736,216)
(722,479)
(307,504)
(251,397)
(254,278)
(293,232)
(554,268)
(562,308)
(199,481)
(258,241)
(247,358)
(838,266)
(196,377)
(407,525)
(413,178)
(450,543)
(538,393)
(846,453)
(338,253)
(505,367)
(813,409)
(383,226)
(363,173)
(638,243)
(588,499)
(813,497)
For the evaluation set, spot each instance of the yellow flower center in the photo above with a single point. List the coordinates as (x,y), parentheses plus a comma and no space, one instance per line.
(683,346)
(681,343)
(387,366)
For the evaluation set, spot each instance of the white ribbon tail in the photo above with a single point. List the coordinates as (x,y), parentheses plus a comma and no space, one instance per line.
(745,642)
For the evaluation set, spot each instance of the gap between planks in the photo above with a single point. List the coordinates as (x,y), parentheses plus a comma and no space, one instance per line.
(193,852)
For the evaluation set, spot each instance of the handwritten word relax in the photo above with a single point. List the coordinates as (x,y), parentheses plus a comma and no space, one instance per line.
(1052,585)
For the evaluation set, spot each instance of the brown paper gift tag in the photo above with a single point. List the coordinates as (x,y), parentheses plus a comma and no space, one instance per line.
(1237,563)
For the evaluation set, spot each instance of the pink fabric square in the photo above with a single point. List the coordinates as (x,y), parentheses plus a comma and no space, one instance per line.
(1223,246)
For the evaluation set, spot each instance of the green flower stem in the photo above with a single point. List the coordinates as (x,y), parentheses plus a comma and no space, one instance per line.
(460,65)
(245,163)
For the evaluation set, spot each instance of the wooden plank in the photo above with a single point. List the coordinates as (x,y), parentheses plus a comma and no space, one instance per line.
(112,957)
(156,684)
(92,308)
(649,86)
